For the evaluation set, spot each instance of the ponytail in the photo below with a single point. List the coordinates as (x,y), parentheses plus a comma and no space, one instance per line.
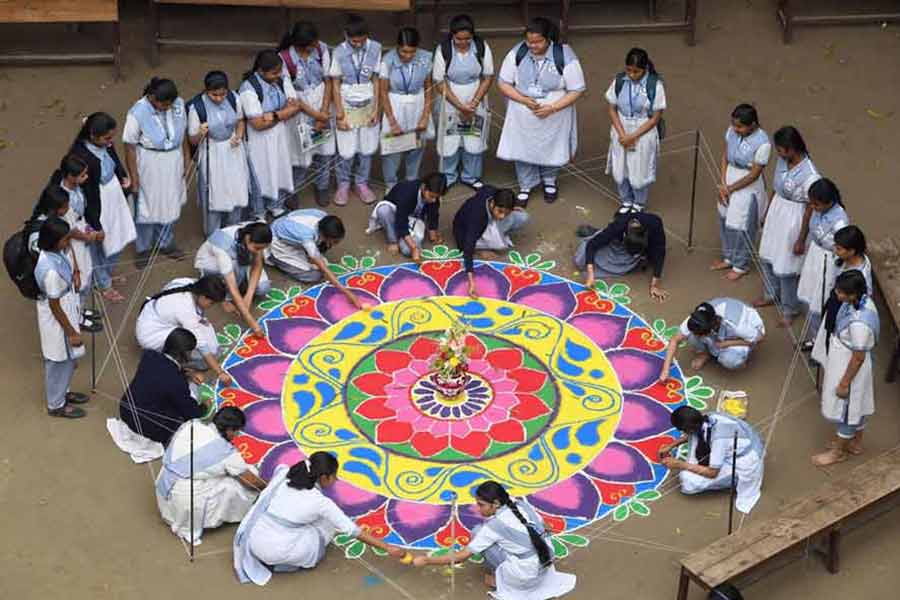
(53,197)
(266,60)
(163,90)
(638,57)
(210,286)
(544,27)
(306,473)
(95,125)
(302,35)
(491,491)
(703,319)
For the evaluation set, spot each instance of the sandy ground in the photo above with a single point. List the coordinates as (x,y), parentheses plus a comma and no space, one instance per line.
(79,520)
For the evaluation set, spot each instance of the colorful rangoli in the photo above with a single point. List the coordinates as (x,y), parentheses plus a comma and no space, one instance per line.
(563,406)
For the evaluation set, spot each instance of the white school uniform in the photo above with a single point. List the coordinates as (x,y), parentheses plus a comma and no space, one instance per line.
(549,142)
(268,149)
(819,269)
(54,345)
(785,218)
(158,318)
(288,529)
(229,175)
(163,190)
(464,79)
(312,94)
(362,140)
(638,166)
(743,154)
(407,107)
(75,218)
(218,495)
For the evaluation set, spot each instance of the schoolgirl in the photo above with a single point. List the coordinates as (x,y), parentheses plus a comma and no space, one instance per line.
(542,79)
(356,103)
(106,210)
(216,127)
(158,156)
(463,73)
(742,190)
(267,108)
(637,99)
(406,94)
(307,61)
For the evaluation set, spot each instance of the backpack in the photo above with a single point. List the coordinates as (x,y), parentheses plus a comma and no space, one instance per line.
(447,51)
(289,61)
(652,80)
(558,58)
(20,261)
(200,107)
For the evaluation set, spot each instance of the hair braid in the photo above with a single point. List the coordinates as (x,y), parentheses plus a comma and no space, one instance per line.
(540,546)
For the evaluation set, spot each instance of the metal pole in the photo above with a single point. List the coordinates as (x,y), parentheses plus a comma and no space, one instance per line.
(208,189)
(733,485)
(93,340)
(693,190)
(453,543)
(442,119)
(192,490)
(822,313)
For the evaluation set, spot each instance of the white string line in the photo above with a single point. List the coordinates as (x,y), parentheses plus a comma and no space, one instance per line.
(111,398)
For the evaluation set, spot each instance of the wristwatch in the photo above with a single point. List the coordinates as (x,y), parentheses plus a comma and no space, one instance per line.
(275,116)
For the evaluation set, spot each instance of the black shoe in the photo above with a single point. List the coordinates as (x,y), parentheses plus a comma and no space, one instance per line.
(522,198)
(92,314)
(76,398)
(91,326)
(173,252)
(67,412)
(551,193)
(142,259)
(584,231)
(322,198)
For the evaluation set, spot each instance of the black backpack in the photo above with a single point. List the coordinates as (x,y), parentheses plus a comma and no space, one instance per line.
(200,107)
(652,79)
(447,51)
(20,261)
(558,57)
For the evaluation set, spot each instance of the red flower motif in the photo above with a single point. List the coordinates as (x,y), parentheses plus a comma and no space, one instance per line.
(374,409)
(613,493)
(529,407)
(237,398)
(375,523)
(529,380)
(650,448)
(505,358)
(476,348)
(454,533)
(428,445)
(302,306)
(508,432)
(668,393)
(441,271)
(250,448)
(424,348)
(642,338)
(519,278)
(590,301)
(368,281)
(372,383)
(553,524)
(388,361)
(253,346)
(393,432)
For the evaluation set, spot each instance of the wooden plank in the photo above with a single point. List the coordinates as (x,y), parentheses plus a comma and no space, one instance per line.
(807,517)
(366,5)
(59,11)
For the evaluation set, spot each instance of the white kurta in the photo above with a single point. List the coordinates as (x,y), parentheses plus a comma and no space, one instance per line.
(218,496)
(520,578)
(549,142)
(818,271)
(229,176)
(781,230)
(80,249)
(115,218)
(835,361)
(408,109)
(268,149)
(163,190)
(362,140)
(159,317)
(449,145)
(312,96)
(54,345)
(738,210)
(638,165)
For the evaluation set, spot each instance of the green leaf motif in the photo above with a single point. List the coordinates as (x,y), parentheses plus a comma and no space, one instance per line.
(343,540)
(277,295)
(476,558)
(516,259)
(268,304)
(439,552)
(649,495)
(601,287)
(223,340)
(559,549)
(547,265)
(378,551)
(695,403)
(367,262)
(532,259)
(639,508)
(233,330)
(621,513)
(355,550)
(336,269)
(573,539)
(294,291)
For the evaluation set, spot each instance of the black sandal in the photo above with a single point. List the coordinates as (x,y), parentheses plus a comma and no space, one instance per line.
(76,398)
(476,185)
(522,198)
(67,412)
(585,231)
(551,193)
(91,326)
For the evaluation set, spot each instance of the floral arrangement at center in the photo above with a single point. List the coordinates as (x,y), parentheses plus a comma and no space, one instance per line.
(451,366)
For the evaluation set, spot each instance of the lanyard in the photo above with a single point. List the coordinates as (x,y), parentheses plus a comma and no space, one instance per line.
(303,65)
(631,96)
(406,83)
(164,122)
(357,58)
(539,69)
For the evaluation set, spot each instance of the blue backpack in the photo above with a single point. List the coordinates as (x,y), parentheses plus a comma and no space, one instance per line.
(652,80)
(200,107)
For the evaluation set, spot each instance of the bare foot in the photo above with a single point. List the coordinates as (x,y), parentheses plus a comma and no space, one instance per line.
(700,361)
(829,457)
(111,295)
(229,307)
(486,254)
(119,280)
(394,249)
(763,302)
(719,265)
(733,275)
(490,581)
(855,446)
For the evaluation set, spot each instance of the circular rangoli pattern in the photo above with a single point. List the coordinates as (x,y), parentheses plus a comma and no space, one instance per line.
(563,407)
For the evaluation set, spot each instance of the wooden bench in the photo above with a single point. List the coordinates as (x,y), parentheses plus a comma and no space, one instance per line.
(62,11)
(836,507)
(156,39)
(889,288)
(789,20)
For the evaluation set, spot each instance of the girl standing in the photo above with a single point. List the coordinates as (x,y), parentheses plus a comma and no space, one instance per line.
(542,79)
(307,60)
(58,316)
(637,99)
(463,72)
(158,156)
(742,191)
(216,126)
(356,103)
(784,234)
(267,108)
(292,523)
(182,303)
(845,350)
(818,267)
(106,209)
(405,79)
(514,545)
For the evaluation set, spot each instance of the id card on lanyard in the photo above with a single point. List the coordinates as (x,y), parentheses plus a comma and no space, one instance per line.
(535,90)
(358,59)
(407,97)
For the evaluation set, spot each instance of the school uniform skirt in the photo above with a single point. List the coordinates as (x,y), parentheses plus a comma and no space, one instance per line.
(115,218)
(270,158)
(638,166)
(448,145)
(818,269)
(313,97)
(781,230)
(163,190)
(359,140)
(549,142)
(408,110)
(861,402)
(229,175)
(740,203)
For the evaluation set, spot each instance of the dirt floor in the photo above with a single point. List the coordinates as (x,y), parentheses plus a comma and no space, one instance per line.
(79,520)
